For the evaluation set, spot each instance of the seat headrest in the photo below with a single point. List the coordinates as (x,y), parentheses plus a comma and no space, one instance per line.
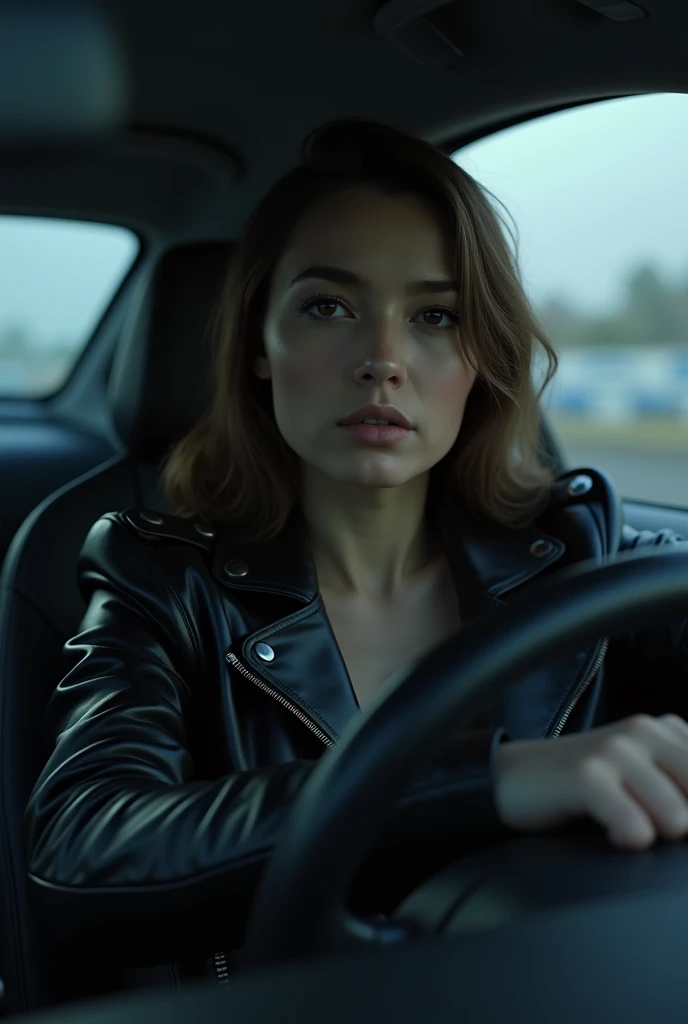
(160,383)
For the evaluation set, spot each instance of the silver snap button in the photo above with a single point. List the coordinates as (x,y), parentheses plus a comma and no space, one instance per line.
(540,548)
(580,484)
(205,531)
(265,652)
(149,517)
(236,568)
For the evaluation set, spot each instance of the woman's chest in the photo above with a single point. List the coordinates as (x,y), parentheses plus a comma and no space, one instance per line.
(376,642)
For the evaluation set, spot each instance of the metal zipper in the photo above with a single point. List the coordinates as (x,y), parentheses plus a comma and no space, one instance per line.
(276,695)
(581,690)
(220,965)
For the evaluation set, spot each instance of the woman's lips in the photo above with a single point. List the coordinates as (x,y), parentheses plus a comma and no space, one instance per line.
(375,433)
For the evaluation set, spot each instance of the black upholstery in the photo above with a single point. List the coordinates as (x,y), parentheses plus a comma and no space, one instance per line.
(157,390)
(160,380)
(38,455)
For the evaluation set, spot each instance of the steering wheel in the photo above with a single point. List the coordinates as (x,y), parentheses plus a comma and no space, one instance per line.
(299,911)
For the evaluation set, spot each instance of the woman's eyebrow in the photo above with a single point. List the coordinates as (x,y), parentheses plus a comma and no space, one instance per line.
(338,275)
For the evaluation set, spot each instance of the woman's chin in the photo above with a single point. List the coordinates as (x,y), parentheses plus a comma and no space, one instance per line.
(377,477)
(367,469)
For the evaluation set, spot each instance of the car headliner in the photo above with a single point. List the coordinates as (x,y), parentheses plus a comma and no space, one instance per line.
(223,93)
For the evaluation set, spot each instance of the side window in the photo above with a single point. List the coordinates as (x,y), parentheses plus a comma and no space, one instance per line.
(599,200)
(57,278)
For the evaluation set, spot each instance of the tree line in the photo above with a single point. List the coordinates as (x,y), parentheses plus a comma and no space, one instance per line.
(654,311)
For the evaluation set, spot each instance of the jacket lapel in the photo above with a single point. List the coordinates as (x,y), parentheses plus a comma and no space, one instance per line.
(306,666)
(488,560)
(582,522)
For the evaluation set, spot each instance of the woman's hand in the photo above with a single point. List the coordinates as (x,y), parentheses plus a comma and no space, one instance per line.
(631,777)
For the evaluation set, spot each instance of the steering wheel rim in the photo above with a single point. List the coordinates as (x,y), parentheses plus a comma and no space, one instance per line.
(344,806)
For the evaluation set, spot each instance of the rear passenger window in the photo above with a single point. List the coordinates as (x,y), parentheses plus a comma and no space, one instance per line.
(57,278)
(599,200)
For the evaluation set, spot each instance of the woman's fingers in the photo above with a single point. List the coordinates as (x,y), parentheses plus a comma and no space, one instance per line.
(676,727)
(605,799)
(645,795)
(672,758)
(630,776)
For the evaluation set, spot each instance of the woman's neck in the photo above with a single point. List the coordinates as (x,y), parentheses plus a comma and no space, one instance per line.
(373,546)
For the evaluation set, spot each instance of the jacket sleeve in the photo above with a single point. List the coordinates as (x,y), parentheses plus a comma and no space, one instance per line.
(667,641)
(129,851)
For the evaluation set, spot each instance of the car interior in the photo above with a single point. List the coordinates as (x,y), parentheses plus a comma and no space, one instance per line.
(220,97)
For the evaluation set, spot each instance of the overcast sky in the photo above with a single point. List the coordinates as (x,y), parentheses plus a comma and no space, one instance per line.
(593,192)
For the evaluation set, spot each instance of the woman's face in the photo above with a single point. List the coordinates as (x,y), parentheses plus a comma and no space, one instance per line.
(363,309)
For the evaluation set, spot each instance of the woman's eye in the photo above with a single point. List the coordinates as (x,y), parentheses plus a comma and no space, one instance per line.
(322,308)
(444,319)
(326,309)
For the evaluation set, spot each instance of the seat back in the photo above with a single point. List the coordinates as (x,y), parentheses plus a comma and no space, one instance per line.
(159,387)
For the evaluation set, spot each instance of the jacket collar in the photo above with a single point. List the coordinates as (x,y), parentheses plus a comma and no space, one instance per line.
(582,521)
(283,565)
(487,560)
(306,668)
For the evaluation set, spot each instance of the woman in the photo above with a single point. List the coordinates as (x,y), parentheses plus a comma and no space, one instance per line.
(367,479)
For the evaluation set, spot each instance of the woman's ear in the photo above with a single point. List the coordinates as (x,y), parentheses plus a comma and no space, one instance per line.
(261,368)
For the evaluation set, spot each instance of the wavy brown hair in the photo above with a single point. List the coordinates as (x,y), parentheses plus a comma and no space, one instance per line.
(235,466)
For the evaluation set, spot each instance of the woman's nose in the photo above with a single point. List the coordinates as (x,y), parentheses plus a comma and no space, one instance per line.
(383,360)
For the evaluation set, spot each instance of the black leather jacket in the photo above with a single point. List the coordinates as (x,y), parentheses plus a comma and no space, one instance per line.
(206,682)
